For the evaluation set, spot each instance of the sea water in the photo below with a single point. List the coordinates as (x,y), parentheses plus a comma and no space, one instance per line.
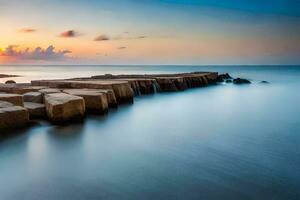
(219,142)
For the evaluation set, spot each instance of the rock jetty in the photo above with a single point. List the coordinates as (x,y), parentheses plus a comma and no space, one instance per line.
(65,100)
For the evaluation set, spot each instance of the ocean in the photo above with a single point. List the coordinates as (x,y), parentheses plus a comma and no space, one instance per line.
(220,142)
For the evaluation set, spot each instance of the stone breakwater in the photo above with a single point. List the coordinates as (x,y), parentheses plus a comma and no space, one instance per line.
(62,101)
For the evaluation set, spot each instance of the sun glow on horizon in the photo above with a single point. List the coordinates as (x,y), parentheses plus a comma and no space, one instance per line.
(178,33)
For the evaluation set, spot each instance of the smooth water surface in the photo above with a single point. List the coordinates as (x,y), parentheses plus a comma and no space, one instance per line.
(219,142)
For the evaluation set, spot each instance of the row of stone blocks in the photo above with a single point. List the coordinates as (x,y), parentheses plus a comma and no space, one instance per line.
(57,105)
(148,84)
(64,100)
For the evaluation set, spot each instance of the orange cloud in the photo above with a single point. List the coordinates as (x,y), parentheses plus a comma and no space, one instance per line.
(27,30)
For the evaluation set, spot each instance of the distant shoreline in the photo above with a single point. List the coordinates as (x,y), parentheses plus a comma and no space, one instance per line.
(7,76)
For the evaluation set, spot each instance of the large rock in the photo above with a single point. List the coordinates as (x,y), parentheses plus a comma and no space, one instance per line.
(10,82)
(35,97)
(241,81)
(62,107)
(36,110)
(95,100)
(13,117)
(223,77)
(15,99)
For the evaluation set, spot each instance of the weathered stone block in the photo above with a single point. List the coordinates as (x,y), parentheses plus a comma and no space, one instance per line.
(36,110)
(35,97)
(62,107)
(5,104)
(13,117)
(15,99)
(95,100)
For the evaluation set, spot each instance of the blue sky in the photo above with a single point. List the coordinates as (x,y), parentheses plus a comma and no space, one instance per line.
(152,31)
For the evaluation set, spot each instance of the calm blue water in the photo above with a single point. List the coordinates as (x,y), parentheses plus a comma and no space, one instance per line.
(219,142)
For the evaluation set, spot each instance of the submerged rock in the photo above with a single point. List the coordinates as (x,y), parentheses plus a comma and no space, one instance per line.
(229,81)
(265,82)
(241,81)
(62,107)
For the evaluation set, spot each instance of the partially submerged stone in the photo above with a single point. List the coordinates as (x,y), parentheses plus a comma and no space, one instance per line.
(62,107)
(265,82)
(95,100)
(223,77)
(15,99)
(36,110)
(111,98)
(241,81)
(13,117)
(10,82)
(35,97)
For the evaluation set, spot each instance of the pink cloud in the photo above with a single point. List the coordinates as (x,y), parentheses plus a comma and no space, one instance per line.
(38,53)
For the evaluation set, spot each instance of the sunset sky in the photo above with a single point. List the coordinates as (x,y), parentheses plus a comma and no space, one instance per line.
(149,32)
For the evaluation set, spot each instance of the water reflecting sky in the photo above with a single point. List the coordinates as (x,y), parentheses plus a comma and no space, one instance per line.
(219,142)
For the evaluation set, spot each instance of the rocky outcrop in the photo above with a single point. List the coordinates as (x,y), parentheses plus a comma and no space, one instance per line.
(35,97)
(224,77)
(67,100)
(95,100)
(15,99)
(62,107)
(36,110)
(241,81)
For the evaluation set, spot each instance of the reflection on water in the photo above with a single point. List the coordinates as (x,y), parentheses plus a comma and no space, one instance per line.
(219,142)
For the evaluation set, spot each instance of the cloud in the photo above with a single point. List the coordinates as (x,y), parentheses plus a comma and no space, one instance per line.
(27,30)
(141,37)
(36,54)
(69,34)
(119,37)
(102,38)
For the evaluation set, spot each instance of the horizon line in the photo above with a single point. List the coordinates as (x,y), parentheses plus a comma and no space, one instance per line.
(206,65)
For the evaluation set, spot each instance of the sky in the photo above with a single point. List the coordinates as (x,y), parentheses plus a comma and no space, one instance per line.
(190,32)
